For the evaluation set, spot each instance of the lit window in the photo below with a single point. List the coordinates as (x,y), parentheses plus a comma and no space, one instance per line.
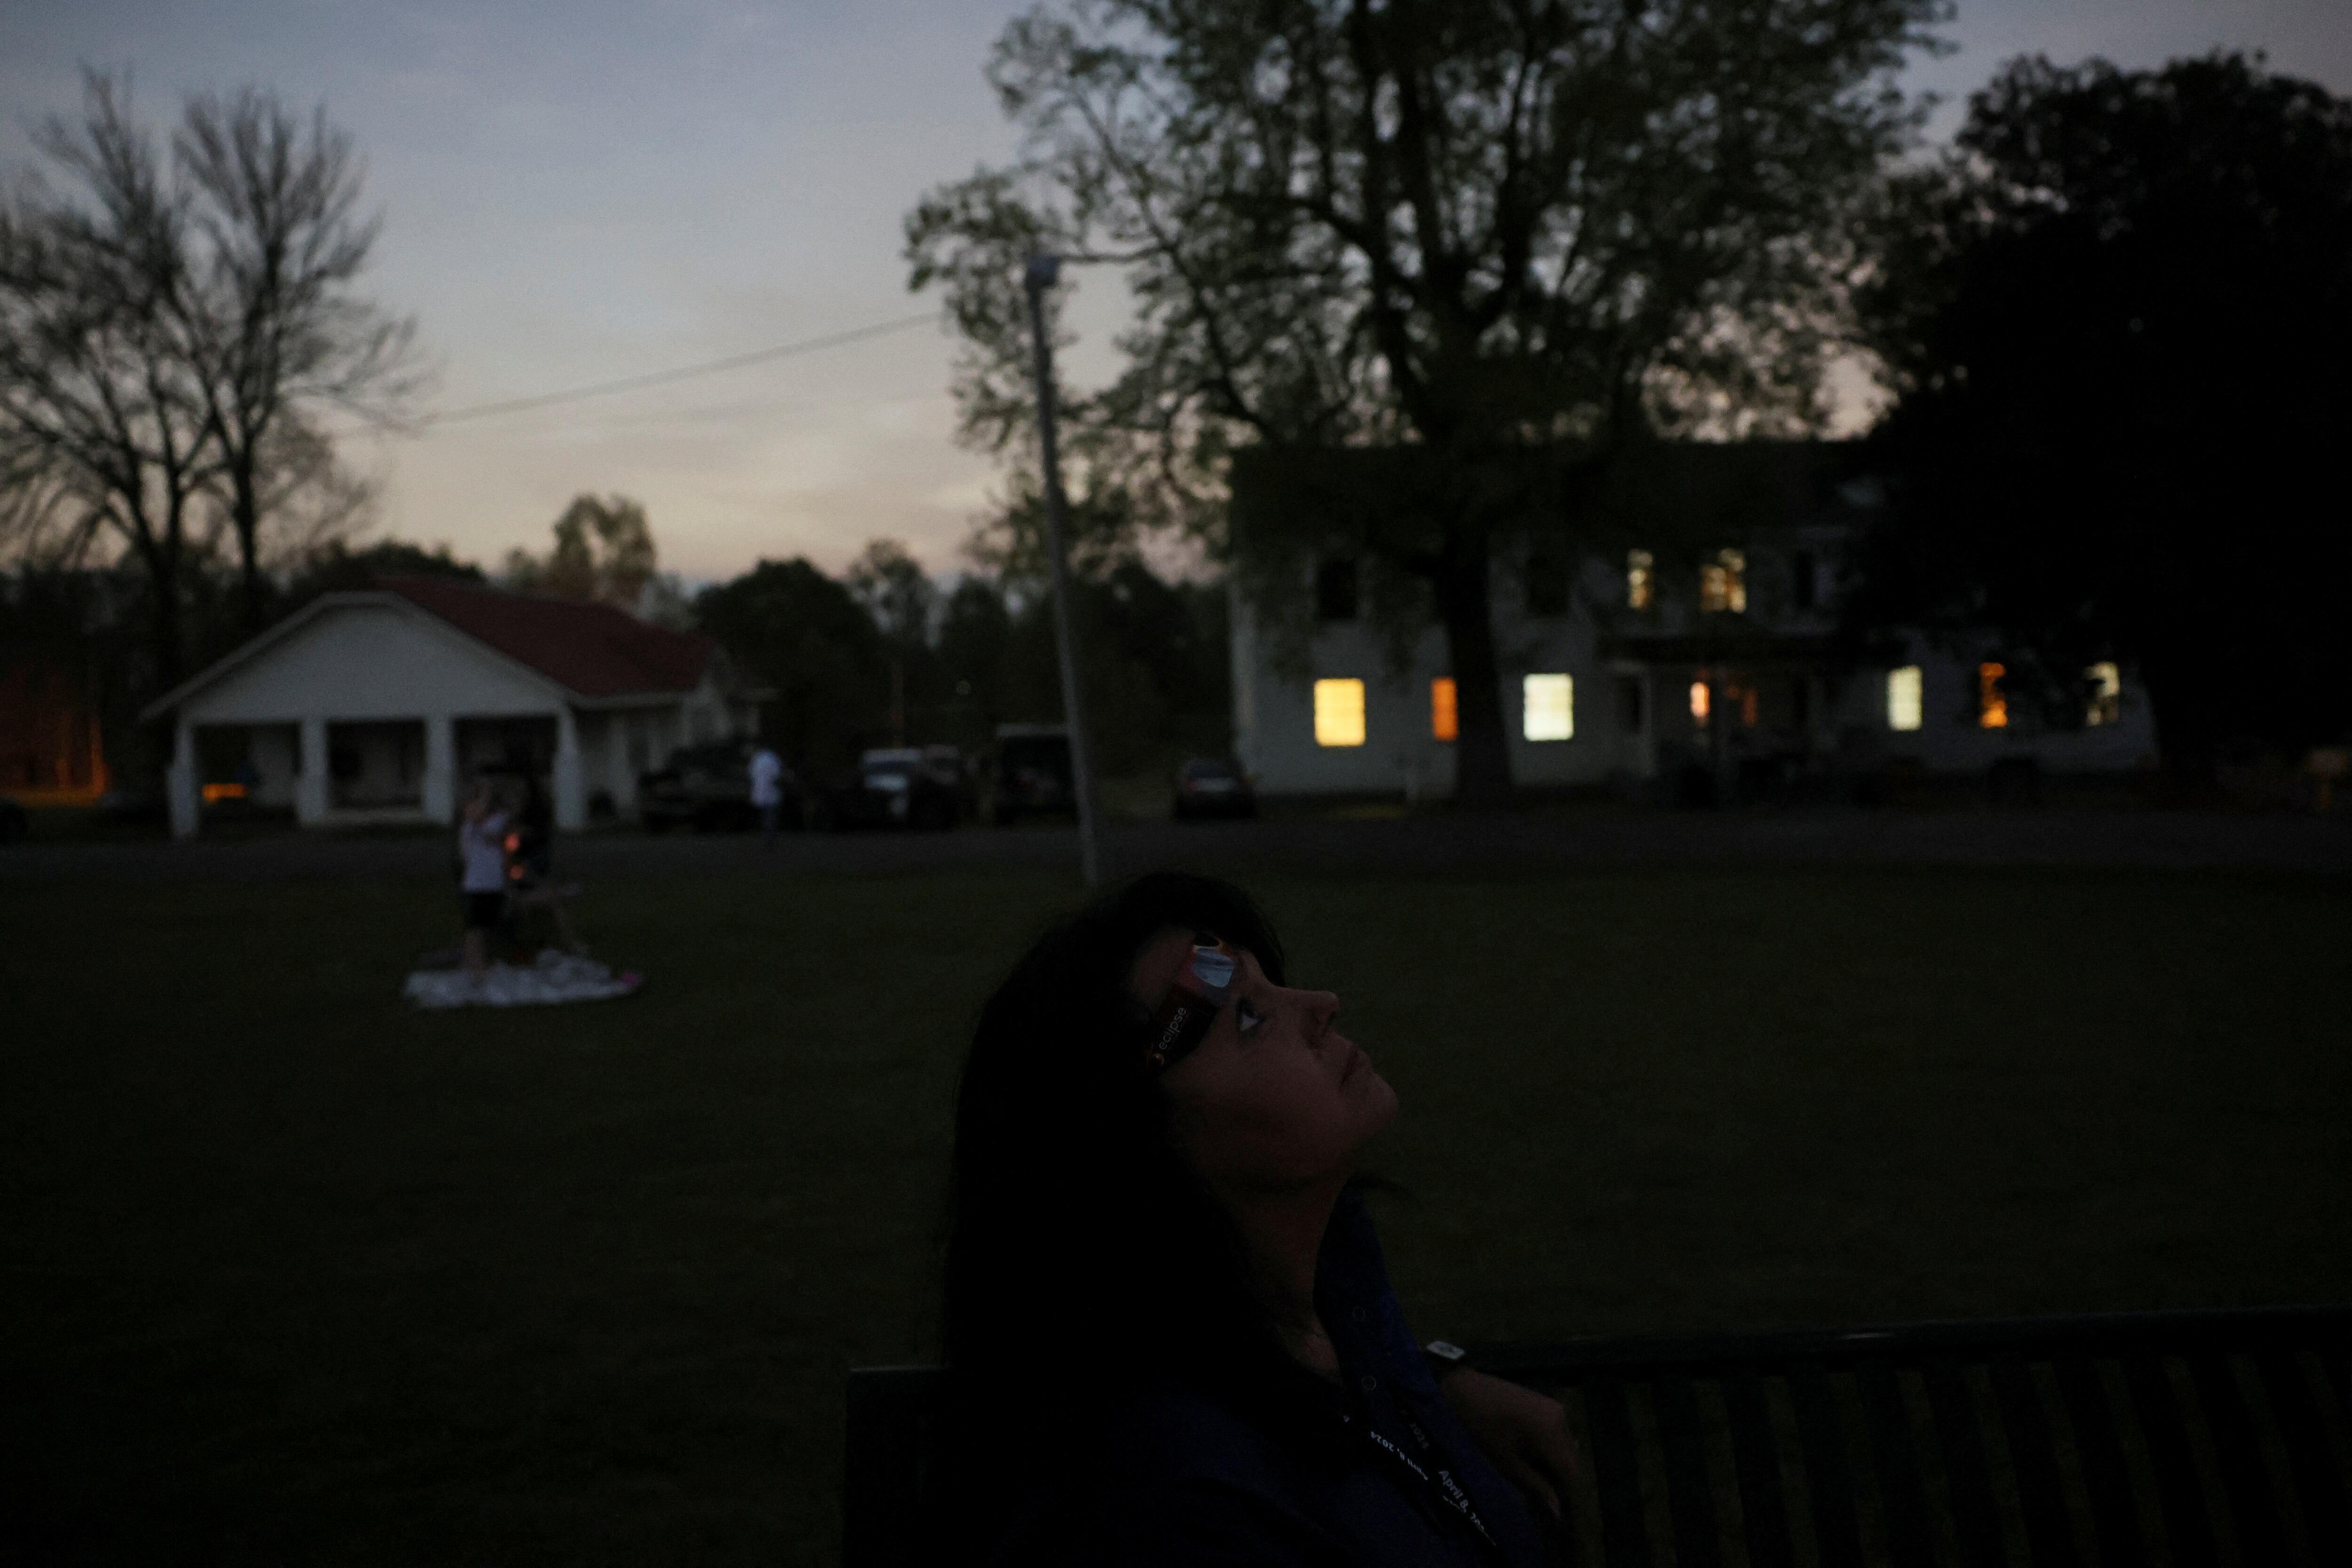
(1442,723)
(1722,583)
(2105,684)
(1903,698)
(1338,713)
(1992,704)
(1699,703)
(1548,708)
(1640,580)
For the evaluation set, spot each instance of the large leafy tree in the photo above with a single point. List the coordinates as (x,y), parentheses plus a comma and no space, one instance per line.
(603,551)
(1486,233)
(2119,316)
(807,637)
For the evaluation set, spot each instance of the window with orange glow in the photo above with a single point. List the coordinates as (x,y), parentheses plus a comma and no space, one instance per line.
(1699,703)
(1992,702)
(1442,723)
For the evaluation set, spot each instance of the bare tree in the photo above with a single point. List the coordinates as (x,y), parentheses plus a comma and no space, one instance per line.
(273,323)
(105,426)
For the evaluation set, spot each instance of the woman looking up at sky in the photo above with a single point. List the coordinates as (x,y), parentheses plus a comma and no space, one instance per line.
(1171,1337)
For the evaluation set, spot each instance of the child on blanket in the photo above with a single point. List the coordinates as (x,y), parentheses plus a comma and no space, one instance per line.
(481,873)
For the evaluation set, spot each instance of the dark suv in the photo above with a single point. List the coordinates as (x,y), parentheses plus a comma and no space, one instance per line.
(708,787)
(900,786)
(1030,771)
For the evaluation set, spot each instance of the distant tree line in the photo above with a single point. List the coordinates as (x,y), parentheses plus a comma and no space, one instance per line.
(881,654)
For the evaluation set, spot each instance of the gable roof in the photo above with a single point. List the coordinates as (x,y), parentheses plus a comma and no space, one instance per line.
(593,650)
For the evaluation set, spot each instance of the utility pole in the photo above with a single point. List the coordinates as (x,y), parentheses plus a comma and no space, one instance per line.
(1041,274)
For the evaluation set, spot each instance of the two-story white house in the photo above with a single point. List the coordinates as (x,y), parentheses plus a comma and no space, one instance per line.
(1676,674)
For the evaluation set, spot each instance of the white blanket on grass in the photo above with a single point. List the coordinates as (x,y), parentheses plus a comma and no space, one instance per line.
(555,977)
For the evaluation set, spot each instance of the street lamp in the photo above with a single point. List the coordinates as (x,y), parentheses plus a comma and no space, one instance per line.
(1040,275)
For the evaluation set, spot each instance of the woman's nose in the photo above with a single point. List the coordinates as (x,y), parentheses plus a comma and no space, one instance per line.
(1322,1010)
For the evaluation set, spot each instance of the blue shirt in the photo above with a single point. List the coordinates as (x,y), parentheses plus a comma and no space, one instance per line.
(1179,1479)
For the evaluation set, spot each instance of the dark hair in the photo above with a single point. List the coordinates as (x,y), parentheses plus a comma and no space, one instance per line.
(1085,1261)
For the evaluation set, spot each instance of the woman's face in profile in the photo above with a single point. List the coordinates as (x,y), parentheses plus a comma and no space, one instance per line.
(1274,1097)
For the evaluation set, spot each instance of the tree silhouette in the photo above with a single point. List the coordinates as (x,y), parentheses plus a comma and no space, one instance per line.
(2118,317)
(1495,235)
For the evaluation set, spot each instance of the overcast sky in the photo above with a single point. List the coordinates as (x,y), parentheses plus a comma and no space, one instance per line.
(580,192)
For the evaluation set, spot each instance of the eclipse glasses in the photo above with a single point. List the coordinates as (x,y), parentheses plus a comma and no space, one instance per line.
(1190,1005)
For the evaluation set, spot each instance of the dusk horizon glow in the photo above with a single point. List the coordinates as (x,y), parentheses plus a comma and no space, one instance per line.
(646,189)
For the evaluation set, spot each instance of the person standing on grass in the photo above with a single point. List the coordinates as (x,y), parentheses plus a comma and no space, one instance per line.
(481,873)
(767,787)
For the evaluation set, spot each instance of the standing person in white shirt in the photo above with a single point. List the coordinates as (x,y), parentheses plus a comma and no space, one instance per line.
(767,787)
(481,873)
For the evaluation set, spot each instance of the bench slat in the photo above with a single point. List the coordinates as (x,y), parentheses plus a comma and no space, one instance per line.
(2178,1494)
(2034,1463)
(1756,1461)
(1616,1475)
(2115,1521)
(1829,1474)
(1690,1496)
(2245,1477)
(1976,1524)
(2318,1482)
(1895,1458)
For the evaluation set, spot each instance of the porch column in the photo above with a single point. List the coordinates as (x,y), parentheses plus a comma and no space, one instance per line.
(440,783)
(620,728)
(180,781)
(571,788)
(311,786)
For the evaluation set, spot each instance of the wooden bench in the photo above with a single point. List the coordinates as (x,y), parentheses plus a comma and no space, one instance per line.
(2187,1438)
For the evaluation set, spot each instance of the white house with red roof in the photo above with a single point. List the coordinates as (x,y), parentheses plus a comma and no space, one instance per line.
(377,706)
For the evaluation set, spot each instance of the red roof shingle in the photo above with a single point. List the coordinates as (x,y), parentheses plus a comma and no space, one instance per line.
(593,650)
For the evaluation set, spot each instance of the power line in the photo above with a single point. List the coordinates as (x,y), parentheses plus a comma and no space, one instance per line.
(684,372)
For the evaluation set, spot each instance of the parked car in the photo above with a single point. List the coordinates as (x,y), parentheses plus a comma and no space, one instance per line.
(1031,772)
(897,786)
(1208,787)
(708,788)
(14,824)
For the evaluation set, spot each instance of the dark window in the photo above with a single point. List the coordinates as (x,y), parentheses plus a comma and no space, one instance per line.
(1335,591)
(1804,588)
(1546,585)
(1800,700)
(1628,704)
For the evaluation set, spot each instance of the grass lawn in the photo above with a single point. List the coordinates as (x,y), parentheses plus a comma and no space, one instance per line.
(297,1275)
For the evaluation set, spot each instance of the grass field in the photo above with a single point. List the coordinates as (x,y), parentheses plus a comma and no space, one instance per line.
(295,1275)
